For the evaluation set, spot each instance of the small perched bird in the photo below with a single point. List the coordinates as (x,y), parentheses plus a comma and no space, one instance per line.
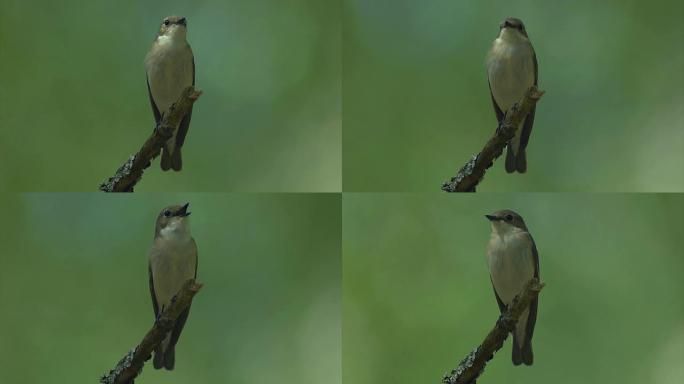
(170,68)
(512,70)
(513,261)
(172,262)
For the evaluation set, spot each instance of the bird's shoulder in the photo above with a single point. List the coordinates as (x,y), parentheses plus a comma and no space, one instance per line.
(520,237)
(157,249)
(171,243)
(164,45)
(508,240)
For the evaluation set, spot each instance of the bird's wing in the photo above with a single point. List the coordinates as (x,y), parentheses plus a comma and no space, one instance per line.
(529,120)
(155,306)
(194,245)
(532,318)
(536,68)
(185,123)
(502,306)
(180,322)
(535,256)
(497,110)
(155,110)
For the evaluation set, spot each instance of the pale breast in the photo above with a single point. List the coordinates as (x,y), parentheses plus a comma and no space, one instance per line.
(172,265)
(511,264)
(510,69)
(169,71)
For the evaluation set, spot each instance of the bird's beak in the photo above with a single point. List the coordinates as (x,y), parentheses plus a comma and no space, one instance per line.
(182,21)
(492,218)
(183,211)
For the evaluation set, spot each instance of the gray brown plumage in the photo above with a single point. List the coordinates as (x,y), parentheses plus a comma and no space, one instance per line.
(513,260)
(511,69)
(172,261)
(170,68)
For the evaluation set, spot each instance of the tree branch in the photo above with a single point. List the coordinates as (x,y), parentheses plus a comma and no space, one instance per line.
(131,171)
(130,365)
(472,366)
(470,175)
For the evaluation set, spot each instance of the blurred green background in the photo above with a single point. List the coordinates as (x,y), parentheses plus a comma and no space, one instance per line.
(74,287)
(417,296)
(417,104)
(74,101)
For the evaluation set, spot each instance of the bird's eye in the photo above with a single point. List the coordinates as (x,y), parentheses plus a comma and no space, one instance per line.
(166,22)
(167,213)
(509,217)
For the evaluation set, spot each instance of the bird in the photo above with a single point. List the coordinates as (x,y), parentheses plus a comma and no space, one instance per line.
(511,70)
(170,68)
(513,261)
(172,262)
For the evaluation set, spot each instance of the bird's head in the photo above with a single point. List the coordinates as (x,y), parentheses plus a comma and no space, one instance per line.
(506,222)
(174,27)
(512,29)
(173,221)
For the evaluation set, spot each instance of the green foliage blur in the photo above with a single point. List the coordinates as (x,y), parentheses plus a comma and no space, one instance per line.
(74,103)
(417,296)
(279,78)
(417,104)
(74,289)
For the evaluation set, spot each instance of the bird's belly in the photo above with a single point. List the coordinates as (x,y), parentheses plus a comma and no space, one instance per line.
(510,271)
(168,81)
(169,275)
(168,75)
(511,73)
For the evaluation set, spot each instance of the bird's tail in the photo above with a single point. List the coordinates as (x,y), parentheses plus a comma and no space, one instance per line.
(171,160)
(176,161)
(170,357)
(521,161)
(158,361)
(510,160)
(164,355)
(522,354)
(165,159)
(516,162)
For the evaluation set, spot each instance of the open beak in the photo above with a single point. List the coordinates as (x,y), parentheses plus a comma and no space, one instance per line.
(183,211)
(492,218)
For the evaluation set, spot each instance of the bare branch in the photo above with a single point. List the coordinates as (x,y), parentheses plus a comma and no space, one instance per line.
(472,366)
(130,365)
(131,171)
(470,175)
